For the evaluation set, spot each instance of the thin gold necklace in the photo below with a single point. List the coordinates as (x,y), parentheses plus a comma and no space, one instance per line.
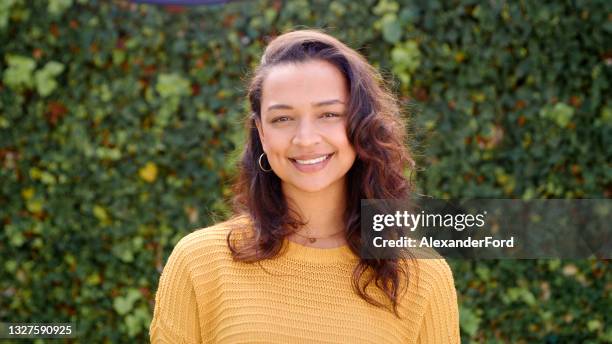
(312,239)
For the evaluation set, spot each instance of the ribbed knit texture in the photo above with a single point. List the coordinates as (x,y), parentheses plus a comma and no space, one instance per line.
(304,295)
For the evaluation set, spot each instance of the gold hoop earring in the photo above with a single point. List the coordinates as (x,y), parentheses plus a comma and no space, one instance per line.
(261,166)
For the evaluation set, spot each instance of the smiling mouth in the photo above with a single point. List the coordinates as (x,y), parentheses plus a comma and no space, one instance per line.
(312,161)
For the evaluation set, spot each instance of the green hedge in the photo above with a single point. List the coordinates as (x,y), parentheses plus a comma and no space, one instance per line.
(117,122)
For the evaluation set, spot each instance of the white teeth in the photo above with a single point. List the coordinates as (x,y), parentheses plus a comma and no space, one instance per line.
(311,161)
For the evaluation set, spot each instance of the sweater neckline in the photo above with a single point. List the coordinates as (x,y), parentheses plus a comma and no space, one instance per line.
(340,254)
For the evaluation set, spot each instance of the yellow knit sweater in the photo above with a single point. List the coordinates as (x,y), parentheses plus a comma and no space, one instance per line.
(304,295)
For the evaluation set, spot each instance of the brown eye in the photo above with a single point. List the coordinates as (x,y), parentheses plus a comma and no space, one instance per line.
(330,115)
(280,119)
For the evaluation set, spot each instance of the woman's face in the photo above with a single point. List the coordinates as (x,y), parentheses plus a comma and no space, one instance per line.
(303,126)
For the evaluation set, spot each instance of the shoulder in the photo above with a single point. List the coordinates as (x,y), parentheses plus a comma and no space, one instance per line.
(210,243)
(430,275)
(435,271)
(438,302)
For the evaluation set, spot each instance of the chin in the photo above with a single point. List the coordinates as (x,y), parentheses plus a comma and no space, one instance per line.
(312,186)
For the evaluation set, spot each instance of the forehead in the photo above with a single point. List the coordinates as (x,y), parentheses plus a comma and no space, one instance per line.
(299,84)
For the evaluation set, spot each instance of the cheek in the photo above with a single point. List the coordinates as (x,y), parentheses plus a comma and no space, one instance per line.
(342,141)
(275,145)
(349,151)
(351,155)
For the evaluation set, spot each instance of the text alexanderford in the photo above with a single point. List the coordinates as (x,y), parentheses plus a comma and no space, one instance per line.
(429,242)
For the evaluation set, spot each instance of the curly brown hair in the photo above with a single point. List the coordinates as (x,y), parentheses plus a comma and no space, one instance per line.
(376,131)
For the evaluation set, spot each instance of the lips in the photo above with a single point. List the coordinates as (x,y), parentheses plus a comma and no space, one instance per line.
(311,159)
(311,163)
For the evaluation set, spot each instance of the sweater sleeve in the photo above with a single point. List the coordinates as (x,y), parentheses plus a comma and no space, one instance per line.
(441,319)
(175,317)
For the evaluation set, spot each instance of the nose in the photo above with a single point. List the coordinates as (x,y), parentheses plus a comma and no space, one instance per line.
(307,134)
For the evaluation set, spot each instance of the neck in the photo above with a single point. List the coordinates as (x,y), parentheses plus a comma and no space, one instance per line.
(323,211)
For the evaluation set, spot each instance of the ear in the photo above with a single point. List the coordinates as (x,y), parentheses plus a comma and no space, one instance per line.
(260,132)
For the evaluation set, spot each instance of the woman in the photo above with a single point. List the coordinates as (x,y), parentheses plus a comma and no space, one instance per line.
(324,133)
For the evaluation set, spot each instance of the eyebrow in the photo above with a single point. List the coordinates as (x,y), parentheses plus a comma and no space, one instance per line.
(288,107)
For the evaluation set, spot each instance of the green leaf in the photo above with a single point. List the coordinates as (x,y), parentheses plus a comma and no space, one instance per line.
(57,7)
(561,114)
(138,321)
(606,115)
(133,325)
(100,213)
(391,29)
(124,251)
(594,325)
(124,304)
(118,56)
(45,78)
(386,6)
(172,85)
(5,11)
(469,320)
(34,205)
(406,58)
(483,272)
(19,73)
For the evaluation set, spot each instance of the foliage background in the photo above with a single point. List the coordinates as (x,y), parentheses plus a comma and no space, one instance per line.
(119,124)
